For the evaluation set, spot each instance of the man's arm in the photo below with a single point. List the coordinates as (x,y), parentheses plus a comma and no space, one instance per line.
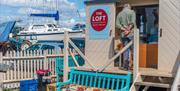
(133,19)
(118,22)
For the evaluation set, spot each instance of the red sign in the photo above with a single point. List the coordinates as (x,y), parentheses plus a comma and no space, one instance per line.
(99,20)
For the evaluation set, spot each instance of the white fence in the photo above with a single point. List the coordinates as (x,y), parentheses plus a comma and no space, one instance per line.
(26,63)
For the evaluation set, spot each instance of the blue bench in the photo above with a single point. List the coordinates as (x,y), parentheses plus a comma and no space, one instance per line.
(98,80)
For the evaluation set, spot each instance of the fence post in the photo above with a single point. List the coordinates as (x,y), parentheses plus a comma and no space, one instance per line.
(45,60)
(66,45)
(136,54)
(1,74)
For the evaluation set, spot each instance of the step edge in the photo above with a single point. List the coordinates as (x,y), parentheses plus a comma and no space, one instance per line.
(149,84)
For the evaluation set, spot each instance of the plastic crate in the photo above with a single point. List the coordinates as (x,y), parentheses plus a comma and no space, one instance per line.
(28,85)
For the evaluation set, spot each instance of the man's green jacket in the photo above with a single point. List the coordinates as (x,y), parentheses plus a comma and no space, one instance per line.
(124,18)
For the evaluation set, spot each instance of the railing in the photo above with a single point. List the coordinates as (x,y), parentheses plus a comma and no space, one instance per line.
(116,56)
(135,41)
(68,41)
(176,82)
(26,63)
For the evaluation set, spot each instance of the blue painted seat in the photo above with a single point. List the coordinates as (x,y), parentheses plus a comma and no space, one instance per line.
(98,80)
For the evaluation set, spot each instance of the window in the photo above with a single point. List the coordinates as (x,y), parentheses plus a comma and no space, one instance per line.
(50,26)
(147,23)
(38,27)
(49,29)
(55,29)
(54,25)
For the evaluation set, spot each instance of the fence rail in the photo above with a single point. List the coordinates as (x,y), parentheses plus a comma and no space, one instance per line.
(26,63)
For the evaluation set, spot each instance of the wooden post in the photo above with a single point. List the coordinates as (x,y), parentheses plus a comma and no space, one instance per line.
(176,80)
(66,46)
(136,54)
(1,74)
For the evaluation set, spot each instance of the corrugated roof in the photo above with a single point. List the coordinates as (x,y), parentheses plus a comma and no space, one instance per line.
(5,29)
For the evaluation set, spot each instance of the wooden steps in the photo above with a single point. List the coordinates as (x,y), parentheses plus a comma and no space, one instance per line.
(151,84)
(154,72)
(150,77)
(146,82)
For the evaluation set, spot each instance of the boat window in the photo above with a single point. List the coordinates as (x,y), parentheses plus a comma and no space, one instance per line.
(55,29)
(49,29)
(50,25)
(55,25)
(78,26)
(38,27)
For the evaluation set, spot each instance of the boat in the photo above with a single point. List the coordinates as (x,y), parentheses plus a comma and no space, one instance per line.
(50,32)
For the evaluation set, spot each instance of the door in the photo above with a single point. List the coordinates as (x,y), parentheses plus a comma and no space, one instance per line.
(169,35)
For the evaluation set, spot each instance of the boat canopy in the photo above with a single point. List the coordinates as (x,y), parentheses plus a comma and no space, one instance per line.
(5,29)
(55,15)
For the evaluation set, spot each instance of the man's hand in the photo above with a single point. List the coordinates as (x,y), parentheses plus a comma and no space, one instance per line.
(127,29)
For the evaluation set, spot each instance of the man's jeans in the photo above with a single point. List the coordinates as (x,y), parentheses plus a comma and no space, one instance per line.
(126,56)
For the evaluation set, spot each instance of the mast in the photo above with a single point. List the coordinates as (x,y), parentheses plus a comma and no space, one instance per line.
(57,8)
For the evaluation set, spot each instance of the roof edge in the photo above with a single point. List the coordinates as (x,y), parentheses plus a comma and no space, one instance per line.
(100,1)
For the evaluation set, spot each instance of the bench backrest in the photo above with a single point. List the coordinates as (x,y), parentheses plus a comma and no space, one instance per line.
(101,80)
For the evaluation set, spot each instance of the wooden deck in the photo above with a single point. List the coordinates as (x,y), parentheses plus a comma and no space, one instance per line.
(154,72)
(143,71)
(115,70)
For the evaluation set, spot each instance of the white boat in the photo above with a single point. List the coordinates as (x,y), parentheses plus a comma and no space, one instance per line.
(50,32)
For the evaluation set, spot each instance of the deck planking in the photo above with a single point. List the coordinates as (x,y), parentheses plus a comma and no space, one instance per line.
(114,70)
(154,72)
(143,71)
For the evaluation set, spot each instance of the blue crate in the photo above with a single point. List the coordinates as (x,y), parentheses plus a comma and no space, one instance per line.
(28,85)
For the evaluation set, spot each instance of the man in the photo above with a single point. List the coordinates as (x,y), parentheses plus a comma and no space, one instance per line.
(126,23)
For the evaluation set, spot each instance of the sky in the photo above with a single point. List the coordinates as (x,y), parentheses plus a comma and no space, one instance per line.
(21,9)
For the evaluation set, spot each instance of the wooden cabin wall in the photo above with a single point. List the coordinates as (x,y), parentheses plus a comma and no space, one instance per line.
(169,42)
(100,51)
